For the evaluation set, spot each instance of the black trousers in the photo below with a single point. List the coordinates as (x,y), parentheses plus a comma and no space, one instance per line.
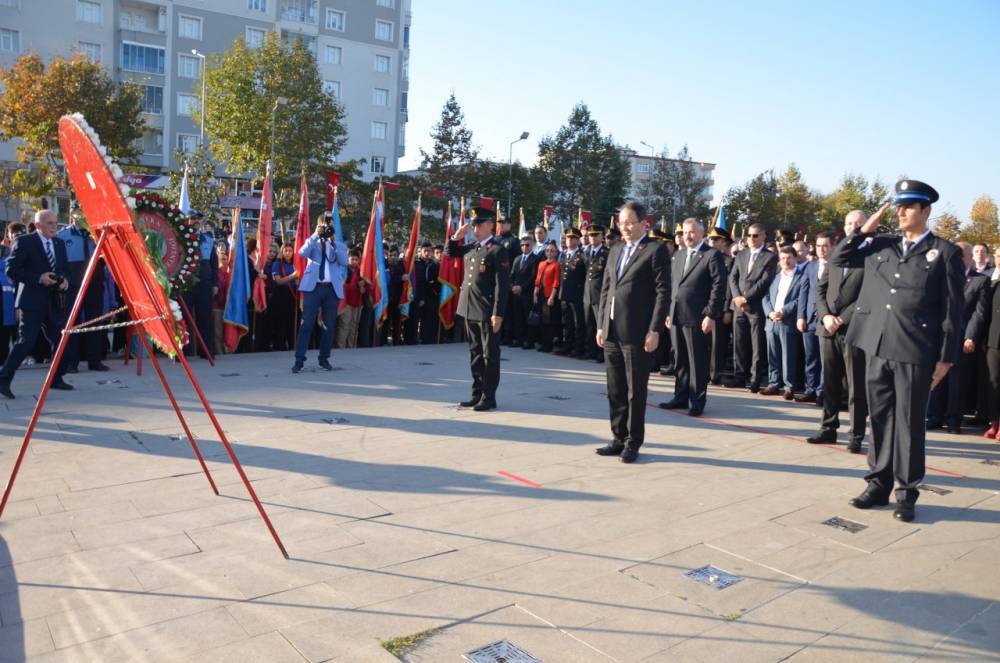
(484,356)
(590,348)
(993,370)
(519,308)
(897,398)
(429,321)
(8,333)
(944,404)
(89,345)
(691,348)
(842,361)
(627,369)
(411,327)
(749,348)
(721,336)
(574,327)
(199,302)
(48,323)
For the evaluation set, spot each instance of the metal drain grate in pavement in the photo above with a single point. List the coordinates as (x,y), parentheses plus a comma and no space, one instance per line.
(934,489)
(713,577)
(845,525)
(502,651)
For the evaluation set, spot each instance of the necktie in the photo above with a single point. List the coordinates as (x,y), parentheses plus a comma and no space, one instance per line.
(820,271)
(753,256)
(687,262)
(625,258)
(49,254)
(322,260)
(907,245)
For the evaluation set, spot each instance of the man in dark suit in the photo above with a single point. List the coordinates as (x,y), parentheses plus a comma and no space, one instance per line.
(572,281)
(199,298)
(38,264)
(908,321)
(808,321)
(635,298)
(482,302)
(945,406)
(753,270)
(992,343)
(781,303)
(698,276)
(837,289)
(721,240)
(522,279)
(597,260)
(427,275)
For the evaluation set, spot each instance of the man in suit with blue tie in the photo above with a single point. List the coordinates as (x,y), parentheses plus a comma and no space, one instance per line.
(322,286)
(781,303)
(38,264)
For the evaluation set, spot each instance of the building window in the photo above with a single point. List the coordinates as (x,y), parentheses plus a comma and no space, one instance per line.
(379,130)
(257,5)
(383,63)
(143,59)
(642,168)
(291,37)
(380,97)
(88,11)
(187,104)
(404,102)
(130,21)
(378,164)
(10,40)
(254,37)
(332,54)
(406,68)
(332,88)
(336,20)
(388,4)
(188,66)
(151,143)
(189,27)
(8,3)
(300,11)
(406,36)
(91,50)
(152,99)
(187,143)
(383,30)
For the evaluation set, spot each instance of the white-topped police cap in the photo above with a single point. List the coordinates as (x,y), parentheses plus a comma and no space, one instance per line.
(915,191)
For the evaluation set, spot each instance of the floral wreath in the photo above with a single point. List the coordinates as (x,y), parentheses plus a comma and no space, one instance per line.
(187,234)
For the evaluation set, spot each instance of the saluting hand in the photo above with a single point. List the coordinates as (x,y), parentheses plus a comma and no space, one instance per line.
(873,222)
(940,370)
(462,229)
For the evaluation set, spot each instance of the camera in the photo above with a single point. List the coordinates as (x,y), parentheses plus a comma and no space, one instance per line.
(324,231)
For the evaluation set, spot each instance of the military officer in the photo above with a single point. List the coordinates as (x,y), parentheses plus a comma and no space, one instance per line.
(597,260)
(721,239)
(908,320)
(482,302)
(512,246)
(572,282)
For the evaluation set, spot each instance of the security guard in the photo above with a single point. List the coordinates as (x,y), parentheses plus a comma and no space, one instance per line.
(572,281)
(907,319)
(482,302)
(597,259)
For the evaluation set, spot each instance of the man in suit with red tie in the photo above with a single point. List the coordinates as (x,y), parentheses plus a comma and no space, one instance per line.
(635,298)
(38,264)
(753,270)
(698,276)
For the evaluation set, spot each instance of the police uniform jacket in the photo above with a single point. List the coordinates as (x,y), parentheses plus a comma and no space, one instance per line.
(573,276)
(910,307)
(486,283)
(975,305)
(596,264)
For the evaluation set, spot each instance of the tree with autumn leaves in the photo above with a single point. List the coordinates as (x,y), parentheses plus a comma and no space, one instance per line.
(36,95)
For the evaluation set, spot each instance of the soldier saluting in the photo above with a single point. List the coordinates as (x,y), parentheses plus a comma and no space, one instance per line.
(482,302)
(907,319)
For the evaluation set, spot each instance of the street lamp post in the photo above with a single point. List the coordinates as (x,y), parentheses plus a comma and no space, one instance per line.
(510,171)
(649,175)
(204,77)
(280,101)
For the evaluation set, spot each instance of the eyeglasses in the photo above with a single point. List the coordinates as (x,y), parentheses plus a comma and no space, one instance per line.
(754,235)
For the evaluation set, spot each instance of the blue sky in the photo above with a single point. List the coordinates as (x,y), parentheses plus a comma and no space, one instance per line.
(880,88)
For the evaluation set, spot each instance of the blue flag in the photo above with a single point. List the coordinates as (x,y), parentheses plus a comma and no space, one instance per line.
(338,234)
(236,314)
(721,221)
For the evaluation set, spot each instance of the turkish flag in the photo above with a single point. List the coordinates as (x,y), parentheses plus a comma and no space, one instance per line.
(332,182)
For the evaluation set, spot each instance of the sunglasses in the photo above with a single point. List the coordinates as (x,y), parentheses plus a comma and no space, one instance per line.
(755,235)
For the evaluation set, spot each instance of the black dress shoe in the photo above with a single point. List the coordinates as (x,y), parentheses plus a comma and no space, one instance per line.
(673,405)
(933,425)
(5,391)
(716,381)
(868,499)
(99,367)
(484,405)
(696,411)
(954,429)
(733,385)
(472,401)
(904,511)
(610,449)
(824,437)
(325,365)
(667,372)
(72,370)
(629,455)
(854,446)
(297,367)
(62,385)
(805,398)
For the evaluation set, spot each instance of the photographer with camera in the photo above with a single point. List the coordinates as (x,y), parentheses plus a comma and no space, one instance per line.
(322,285)
(38,264)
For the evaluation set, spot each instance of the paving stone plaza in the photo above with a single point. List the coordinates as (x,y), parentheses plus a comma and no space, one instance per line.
(416,527)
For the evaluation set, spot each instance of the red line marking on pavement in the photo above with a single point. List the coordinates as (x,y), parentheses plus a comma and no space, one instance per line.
(526,482)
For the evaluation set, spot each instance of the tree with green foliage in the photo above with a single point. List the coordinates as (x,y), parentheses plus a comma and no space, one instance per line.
(947,225)
(452,161)
(204,188)
(755,202)
(677,182)
(855,192)
(984,224)
(244,87)
(797,205)
(34,96)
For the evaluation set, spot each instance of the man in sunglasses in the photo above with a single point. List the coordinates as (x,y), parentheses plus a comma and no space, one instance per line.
(753,269)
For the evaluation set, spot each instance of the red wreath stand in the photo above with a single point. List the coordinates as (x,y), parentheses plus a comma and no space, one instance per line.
(121,248)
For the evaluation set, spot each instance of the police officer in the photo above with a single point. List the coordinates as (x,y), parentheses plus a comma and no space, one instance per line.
(512,245)
(721,239)
(908,321)
(482,302)
(572,279)
(79,248)
(199,297)
(597,260)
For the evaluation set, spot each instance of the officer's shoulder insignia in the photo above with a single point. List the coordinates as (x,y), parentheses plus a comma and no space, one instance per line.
(932,254)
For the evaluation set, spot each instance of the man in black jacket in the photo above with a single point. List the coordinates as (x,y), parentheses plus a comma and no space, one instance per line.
(522,279)
(837,289)
(431,293)
(482,302)
(635,298)
(572,280)
(597,259)
(38,264)
(908,321)
(698,276)
(753,270)
(721,240)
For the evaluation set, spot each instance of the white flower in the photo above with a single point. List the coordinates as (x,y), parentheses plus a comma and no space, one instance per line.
(131,202)
(116,171)
(103,150)
(176,310)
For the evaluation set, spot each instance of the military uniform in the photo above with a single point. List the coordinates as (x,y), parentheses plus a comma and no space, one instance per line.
(572,280)
(484,294)
(907,317)
(597,262)
(722,333)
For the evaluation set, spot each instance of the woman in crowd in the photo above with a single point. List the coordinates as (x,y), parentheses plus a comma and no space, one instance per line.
(281,308)
(546,287)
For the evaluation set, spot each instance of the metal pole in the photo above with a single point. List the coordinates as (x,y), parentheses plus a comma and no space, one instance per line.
(194,52)
(510,177)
